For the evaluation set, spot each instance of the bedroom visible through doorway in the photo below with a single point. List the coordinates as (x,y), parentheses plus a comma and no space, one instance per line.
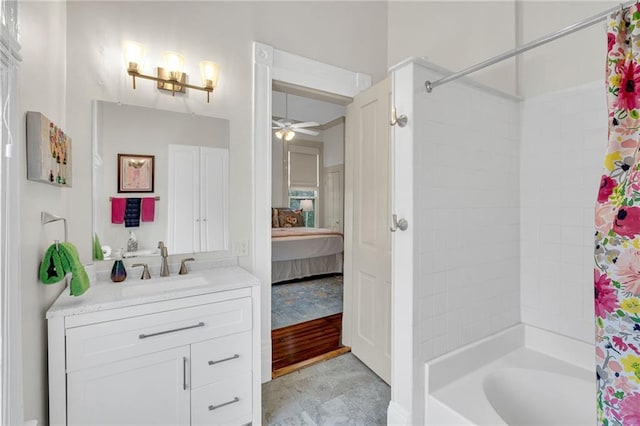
(307,219)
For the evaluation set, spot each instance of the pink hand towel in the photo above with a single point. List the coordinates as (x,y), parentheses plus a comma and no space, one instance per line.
(148,209)
(117,209)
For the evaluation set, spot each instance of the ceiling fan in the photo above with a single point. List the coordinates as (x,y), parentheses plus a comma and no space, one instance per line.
(287,129)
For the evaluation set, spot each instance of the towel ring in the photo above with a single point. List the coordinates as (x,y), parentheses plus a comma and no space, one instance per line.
(46,217)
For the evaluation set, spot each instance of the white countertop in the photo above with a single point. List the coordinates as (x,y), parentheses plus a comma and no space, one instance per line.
(105,295)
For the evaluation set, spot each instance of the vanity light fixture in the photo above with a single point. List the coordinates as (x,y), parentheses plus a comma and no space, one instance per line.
(172,76)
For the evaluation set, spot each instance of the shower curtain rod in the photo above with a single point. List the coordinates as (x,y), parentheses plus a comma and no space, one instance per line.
(528,46)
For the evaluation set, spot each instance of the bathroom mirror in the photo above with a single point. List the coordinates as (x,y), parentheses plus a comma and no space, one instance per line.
(188,208)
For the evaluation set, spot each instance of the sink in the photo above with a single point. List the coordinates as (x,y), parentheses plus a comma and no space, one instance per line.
(163,284)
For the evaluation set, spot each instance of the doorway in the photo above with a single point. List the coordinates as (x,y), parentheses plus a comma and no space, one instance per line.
(307,223)
(325,80)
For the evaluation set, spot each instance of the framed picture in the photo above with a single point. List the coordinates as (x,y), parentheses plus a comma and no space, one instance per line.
(48,151)
(135,173)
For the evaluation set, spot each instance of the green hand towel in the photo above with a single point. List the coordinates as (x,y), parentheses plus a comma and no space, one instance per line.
(51,269)
(58,262)
(97,248)
(79,278)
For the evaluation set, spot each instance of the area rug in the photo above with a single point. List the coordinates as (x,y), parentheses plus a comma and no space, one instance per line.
(296,302)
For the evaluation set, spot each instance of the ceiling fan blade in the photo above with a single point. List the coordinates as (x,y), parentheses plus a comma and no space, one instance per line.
(305,124)
(277,123)
(307,132)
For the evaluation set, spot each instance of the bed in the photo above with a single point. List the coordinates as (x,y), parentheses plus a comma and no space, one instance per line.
(300,252)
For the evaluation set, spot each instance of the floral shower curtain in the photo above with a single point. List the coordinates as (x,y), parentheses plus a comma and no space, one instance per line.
(617,238)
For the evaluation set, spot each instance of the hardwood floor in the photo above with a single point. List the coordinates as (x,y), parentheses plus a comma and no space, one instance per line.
(301,344)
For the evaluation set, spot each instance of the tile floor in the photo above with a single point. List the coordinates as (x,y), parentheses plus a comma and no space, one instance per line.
(297,302)
(340,391)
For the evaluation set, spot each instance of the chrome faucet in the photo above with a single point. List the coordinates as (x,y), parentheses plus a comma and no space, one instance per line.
(164,268)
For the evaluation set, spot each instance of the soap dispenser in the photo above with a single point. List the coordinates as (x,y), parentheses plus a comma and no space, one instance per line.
(132,243)
(118,272)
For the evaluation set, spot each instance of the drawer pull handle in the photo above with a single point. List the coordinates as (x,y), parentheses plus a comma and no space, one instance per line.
(225,359)
(215,407)
(144,336)
(184,373)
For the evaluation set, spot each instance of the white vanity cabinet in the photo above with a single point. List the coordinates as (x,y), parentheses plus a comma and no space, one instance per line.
(128,392)
(183,355)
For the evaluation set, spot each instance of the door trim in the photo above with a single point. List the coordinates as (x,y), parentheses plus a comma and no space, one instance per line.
(271,64)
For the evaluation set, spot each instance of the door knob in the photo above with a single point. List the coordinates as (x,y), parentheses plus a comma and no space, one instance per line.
(400,224)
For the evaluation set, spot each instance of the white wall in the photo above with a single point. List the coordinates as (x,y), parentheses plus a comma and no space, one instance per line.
(455,35)
(458,34)
(301,108)
(564,137)
(334,144)
(568,62)
(41,87)
(466,210)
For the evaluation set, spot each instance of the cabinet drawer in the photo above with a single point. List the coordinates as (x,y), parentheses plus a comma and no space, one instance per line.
(227,402)
(110,341)
(220,358)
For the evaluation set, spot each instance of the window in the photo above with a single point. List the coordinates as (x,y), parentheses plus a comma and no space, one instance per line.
(304,179)
(295,203)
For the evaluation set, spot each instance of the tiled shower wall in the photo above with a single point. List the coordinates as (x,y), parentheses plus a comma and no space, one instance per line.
(563,142)
(467,235)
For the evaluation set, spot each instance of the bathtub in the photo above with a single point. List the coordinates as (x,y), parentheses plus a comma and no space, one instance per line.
(521,376)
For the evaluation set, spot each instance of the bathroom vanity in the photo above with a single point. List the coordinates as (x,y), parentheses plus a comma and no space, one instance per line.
(180,350)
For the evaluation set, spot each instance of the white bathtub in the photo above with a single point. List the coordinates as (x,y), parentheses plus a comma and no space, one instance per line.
(518,377)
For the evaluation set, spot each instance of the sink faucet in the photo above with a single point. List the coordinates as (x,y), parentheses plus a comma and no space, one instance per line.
(183,266)
(164,268)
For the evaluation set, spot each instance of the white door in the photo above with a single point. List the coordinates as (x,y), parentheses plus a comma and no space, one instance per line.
(334,198)
(367,235)
(146,390)
(183,199)
(213,196)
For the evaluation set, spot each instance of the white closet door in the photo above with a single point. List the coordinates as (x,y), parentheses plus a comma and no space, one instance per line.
(183,218)
(334,197)
(214,196)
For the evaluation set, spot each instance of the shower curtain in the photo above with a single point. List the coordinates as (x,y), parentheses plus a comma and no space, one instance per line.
(617,237)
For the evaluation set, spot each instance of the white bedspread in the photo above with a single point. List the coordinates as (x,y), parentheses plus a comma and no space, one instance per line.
(324,242)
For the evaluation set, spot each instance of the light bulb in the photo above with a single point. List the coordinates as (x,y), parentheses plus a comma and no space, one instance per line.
(134,54)
(279,133)
(174,65)
(209,72)
(289,135)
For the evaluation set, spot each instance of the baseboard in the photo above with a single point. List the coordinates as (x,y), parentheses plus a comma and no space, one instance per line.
(396,415)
